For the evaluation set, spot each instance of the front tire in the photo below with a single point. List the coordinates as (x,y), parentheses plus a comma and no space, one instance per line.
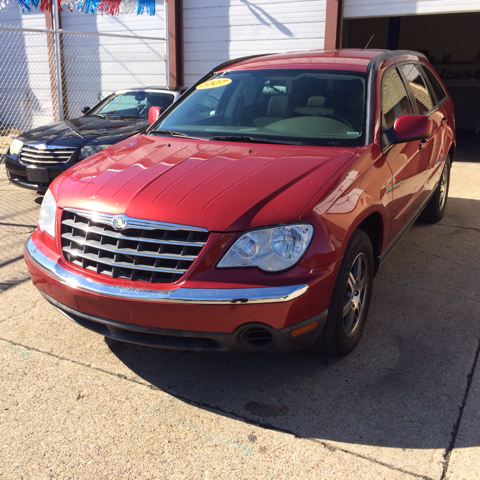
(435,208)
(350,300)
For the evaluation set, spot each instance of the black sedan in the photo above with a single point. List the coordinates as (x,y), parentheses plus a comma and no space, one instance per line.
(38,156)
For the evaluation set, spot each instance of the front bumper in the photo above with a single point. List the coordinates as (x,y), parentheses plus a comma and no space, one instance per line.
(248,337)
(199,296)
(17,173)
(218,319)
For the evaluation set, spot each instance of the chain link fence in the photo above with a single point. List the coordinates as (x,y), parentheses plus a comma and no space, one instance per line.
(26,99)
(47,75)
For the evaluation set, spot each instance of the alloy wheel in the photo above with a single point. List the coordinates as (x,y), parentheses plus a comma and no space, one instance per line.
(443,188)
(357,287)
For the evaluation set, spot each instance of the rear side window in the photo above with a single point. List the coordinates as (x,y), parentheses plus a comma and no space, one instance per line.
(437,88)
(394,98)
(418,87)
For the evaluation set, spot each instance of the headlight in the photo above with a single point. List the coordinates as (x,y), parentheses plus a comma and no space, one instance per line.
(90,150)
(48,211)
(270,249)
(15,147)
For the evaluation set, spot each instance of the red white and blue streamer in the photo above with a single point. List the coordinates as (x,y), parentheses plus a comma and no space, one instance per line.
(104,7)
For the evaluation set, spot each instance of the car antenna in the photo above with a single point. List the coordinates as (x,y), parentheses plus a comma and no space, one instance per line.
(368,43)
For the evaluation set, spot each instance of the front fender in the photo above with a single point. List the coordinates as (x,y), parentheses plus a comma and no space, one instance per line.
(357,192)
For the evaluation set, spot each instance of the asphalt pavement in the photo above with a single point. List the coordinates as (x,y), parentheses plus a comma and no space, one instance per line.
(405,404)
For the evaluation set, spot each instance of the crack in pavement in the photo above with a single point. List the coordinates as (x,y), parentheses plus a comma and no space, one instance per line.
(12,234)
(217,409)
(438,256)
(18,213)
(457,226)
(456,427)
(430,290)
(366,457)
(22,313)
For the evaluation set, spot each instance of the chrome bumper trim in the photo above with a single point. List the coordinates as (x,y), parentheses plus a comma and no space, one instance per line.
(203,296)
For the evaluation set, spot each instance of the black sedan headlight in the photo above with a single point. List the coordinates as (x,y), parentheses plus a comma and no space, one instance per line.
(89,150)
(15,147)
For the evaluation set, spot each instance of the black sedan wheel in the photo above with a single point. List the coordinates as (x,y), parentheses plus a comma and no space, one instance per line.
(350,300)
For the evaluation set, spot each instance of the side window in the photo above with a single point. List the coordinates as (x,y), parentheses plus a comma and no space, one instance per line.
(437,88)
(418,87)
(394,98)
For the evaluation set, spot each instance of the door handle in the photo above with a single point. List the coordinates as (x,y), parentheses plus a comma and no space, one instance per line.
(422,144)
(444,121)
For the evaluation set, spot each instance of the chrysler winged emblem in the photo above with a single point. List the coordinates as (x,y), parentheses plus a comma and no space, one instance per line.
(119,222)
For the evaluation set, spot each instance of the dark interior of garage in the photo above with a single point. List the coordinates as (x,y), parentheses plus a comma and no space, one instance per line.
(452,44)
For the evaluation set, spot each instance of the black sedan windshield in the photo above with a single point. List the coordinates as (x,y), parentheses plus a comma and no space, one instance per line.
(291,106)
(131,104)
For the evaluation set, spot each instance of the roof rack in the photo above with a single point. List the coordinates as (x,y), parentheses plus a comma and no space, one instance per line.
(376,61)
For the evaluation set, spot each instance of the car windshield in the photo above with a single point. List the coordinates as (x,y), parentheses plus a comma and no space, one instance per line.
(291,106)
(131,104)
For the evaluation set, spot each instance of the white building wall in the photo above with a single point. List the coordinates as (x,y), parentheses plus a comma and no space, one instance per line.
(218,30)
(95,66)
(390,8)
(12,17)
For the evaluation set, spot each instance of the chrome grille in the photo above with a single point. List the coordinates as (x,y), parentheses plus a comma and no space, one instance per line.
(143,250)
(50,156)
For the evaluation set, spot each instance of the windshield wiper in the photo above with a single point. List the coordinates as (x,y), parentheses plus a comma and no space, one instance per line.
(170,133)
(96,115)
(125,116)
(248,139)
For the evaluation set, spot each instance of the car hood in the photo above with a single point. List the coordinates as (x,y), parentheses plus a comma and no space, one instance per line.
(220,186)
(84,130)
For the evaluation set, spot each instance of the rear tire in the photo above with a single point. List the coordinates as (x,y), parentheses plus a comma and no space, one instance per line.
(350,300)
(435,208)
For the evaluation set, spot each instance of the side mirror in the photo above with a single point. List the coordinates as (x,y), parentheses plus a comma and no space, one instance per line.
(85,110)
(153,114)
(408,128)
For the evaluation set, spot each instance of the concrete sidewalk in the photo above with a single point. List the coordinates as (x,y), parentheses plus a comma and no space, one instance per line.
(405,404)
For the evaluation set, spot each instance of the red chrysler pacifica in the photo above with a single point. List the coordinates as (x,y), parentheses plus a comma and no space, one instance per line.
(253,214)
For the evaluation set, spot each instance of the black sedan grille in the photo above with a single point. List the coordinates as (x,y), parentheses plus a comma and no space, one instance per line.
(49,156)
(143,250)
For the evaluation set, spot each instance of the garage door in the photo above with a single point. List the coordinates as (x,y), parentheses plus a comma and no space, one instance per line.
(389,8)
(218,30)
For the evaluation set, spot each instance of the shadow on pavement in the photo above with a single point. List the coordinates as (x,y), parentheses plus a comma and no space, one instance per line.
(404,384)
(12,283)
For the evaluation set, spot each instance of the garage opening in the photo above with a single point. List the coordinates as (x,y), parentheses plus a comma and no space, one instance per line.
(451,42)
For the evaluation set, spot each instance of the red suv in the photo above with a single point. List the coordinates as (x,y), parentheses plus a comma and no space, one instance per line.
(253,214)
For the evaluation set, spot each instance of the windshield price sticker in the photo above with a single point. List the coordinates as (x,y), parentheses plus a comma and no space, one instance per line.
(218,82)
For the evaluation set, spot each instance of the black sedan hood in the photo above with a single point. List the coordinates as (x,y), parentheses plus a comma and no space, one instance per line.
(86,130)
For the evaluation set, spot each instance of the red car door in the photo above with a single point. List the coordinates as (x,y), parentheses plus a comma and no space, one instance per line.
(408,161)
(441,114)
